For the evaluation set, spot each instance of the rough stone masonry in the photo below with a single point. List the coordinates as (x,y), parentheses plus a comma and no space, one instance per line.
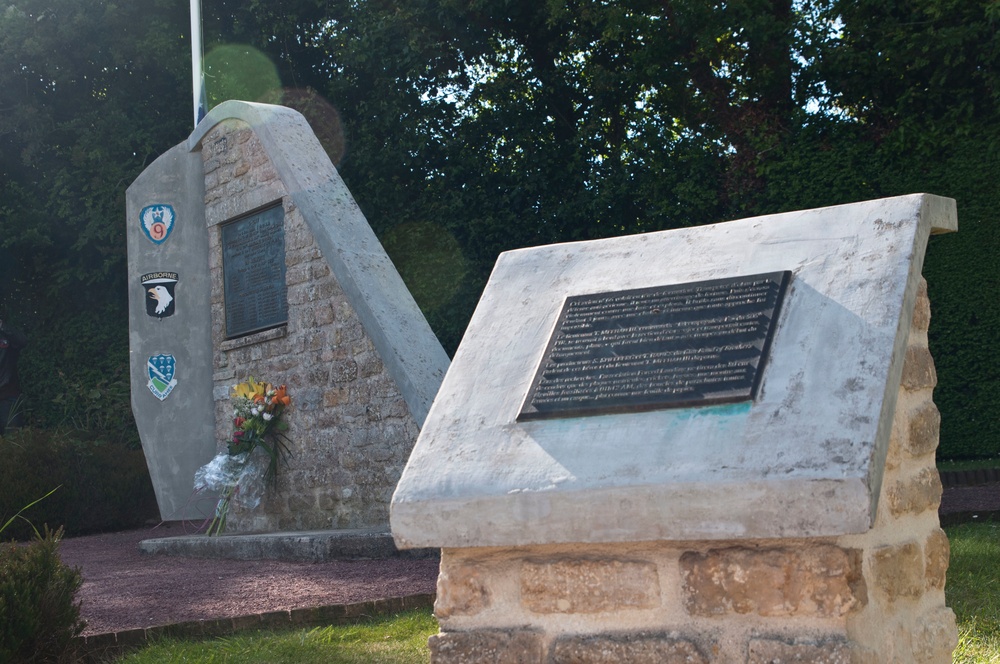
(352,429)
(351,425)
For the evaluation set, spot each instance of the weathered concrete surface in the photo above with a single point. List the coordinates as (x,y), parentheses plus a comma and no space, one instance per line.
(178,433)
(308,546)
(804,460)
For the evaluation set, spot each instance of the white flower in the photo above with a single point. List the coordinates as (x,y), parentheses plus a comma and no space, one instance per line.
(267,417)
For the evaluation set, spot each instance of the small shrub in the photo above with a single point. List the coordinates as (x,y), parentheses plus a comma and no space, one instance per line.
(39,616)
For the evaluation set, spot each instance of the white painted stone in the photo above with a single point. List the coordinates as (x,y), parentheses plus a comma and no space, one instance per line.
(804,460)
(178,432)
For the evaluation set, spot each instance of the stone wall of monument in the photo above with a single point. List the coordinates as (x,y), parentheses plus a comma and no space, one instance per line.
(869,598)
(350,429)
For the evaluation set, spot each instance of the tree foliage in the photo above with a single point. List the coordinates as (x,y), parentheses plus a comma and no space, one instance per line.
(90,94)
(468,127)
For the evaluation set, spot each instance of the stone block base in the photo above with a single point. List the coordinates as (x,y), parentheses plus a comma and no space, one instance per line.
(876,597)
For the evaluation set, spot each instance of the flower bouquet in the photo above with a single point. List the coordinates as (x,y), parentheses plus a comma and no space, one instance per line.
(254,451)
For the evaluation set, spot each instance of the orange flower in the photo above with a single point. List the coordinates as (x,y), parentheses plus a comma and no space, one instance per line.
(281,396)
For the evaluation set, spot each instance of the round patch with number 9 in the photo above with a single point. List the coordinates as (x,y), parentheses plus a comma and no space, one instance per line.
(157,221)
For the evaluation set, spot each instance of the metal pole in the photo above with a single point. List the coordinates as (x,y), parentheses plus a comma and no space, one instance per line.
(197,71)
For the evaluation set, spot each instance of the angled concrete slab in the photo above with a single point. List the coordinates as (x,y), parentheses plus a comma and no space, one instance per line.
(177,430)
(307,546)
(805,458)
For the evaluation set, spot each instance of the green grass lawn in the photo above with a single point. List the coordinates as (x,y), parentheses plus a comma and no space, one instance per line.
(400,639)
(973,591)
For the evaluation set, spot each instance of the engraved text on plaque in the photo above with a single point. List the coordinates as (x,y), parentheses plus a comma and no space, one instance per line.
(253,266)
(662,347)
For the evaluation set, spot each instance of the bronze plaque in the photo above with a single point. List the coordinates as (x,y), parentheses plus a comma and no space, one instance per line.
(684,345)
(253,268)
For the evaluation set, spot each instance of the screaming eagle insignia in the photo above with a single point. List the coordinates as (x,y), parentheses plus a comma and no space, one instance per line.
(159,293)
(161,370)
(157,221)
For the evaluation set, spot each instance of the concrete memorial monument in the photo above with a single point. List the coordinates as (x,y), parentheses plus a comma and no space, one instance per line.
(707,444)
(251,258)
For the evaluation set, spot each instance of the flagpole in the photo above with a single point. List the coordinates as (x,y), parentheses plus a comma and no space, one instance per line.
(197,70)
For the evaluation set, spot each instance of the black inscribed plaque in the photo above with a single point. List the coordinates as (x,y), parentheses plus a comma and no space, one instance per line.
(253,268)
(674,346)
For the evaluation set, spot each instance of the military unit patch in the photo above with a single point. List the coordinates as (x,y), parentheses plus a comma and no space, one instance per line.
(161,369)
(159,293)
(156,222)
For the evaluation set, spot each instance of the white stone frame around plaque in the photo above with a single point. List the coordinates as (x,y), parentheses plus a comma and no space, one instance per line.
(805,459)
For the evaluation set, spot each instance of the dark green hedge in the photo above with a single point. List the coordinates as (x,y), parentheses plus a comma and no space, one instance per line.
(74,373)
(962,269)
(103,486)
(963,281)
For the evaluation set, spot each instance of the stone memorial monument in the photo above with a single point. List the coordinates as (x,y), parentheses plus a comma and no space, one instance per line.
(712,444)
(249,257)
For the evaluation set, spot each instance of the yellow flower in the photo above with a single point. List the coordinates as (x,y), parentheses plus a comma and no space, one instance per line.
(249,389)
